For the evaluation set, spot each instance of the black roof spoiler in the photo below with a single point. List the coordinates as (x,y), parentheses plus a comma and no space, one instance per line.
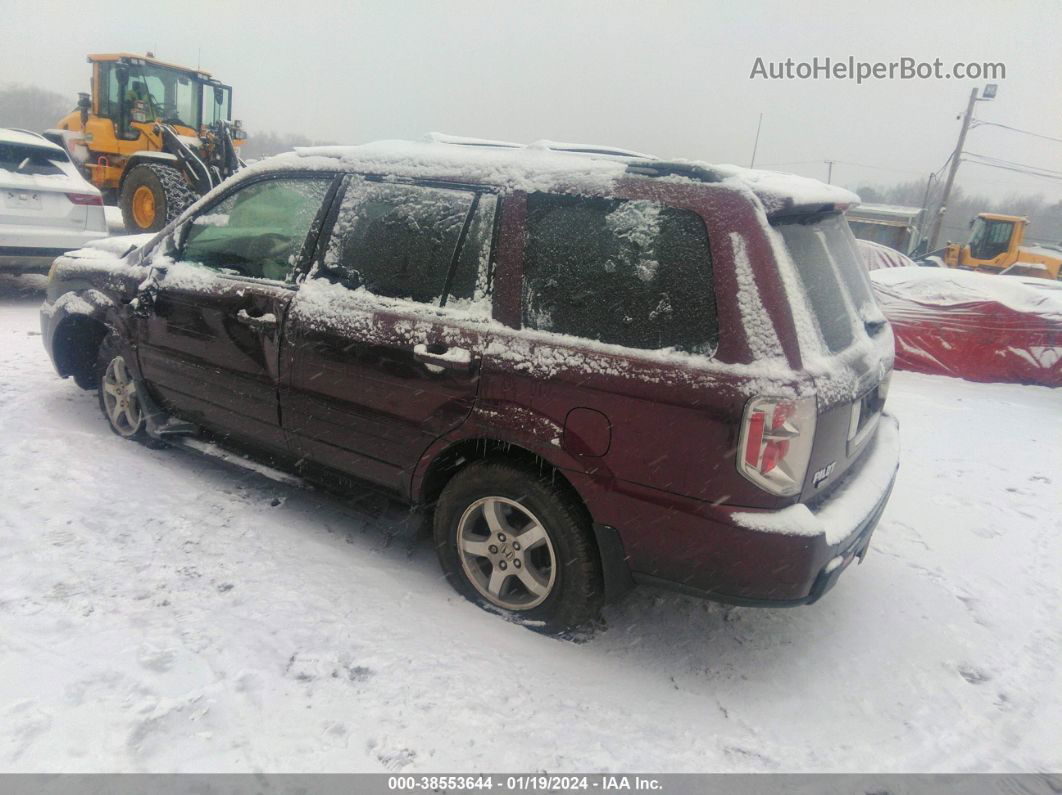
(789,210)
(665,168)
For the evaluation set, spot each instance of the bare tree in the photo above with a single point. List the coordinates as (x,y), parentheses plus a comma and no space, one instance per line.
(32,108)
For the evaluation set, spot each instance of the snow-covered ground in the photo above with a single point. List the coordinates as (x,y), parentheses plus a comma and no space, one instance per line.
(164,612)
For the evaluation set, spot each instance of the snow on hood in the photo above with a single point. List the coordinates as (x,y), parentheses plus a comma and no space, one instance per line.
(106,254)
(948,287)
(121,244)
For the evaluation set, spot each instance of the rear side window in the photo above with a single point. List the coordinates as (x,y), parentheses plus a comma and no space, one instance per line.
(625,272)
(401,241)
(826,258)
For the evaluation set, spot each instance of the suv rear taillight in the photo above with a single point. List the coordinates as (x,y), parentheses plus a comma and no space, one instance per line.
(85,198)
(775,443)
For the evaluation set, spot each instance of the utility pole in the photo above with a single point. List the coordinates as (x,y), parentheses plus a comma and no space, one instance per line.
(939,220)
(923,220)
(756,143)
(829,172)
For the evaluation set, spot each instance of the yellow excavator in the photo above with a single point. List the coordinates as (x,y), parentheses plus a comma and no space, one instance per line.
(152,136)
(996,246)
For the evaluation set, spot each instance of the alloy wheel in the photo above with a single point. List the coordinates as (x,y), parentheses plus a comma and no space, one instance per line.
(506,553)
(119,398)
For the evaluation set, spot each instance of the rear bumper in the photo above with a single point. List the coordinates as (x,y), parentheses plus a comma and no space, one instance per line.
(764,558)
(854,549)
(14,259)
(32,249)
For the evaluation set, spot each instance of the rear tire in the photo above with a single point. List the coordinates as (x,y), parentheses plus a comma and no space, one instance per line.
(553,580)
(153,196)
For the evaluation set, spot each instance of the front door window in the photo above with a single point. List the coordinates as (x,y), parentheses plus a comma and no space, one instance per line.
(259,231)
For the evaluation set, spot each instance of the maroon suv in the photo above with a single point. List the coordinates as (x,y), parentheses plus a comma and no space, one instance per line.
(595,368)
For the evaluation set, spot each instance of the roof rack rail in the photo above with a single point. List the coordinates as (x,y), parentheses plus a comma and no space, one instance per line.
(665,168)
(28,132)
(552,146)
(589,149)
(461,140)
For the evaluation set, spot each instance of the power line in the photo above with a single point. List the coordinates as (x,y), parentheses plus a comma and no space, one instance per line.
(878,168)
(843,163)
(1027,172)
(792,163)
(1002,161)
(978,123)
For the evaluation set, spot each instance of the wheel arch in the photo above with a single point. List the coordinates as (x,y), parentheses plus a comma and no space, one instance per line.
(444,460)
(80,322)
(441,462)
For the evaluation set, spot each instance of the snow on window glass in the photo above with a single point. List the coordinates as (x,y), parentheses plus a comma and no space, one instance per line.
(470,284)
(212,219)
(632,273)
(398,241)
(759,329)
(821,253)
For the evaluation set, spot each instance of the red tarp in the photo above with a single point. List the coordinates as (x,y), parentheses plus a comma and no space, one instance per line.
(979,340)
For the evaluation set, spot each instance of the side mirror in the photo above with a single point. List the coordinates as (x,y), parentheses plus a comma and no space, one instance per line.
(121,71)
(219,96)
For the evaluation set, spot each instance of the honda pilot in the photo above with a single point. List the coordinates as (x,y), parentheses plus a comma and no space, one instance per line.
(590,368)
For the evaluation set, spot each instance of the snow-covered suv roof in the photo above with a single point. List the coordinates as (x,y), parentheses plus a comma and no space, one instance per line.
(546,165)
(26,138)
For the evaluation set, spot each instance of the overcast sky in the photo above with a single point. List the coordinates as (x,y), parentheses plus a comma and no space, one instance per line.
(668,78)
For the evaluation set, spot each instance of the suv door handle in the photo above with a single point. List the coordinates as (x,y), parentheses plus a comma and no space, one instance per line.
(444,357)
(266,322)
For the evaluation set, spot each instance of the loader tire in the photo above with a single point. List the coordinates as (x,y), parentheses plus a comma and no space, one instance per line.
(153,196)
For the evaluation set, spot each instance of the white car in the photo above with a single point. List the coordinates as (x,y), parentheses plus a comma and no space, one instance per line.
(46,206)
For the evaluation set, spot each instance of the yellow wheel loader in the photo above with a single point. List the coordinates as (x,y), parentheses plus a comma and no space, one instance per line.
(996,246)
(152,136)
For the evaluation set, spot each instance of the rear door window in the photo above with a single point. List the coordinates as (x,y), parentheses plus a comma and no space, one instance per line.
(624,272)
(413,242)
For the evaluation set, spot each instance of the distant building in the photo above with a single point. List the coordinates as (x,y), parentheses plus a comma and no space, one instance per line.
(888,224)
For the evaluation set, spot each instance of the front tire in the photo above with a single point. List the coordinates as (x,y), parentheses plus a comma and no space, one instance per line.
(510,540)
(118,397)
(152,196)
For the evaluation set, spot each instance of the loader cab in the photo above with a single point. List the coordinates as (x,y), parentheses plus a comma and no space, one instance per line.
(993,244)
(991,237)
(135,92)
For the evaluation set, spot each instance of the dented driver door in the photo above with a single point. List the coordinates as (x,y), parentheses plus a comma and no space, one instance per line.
(209,339)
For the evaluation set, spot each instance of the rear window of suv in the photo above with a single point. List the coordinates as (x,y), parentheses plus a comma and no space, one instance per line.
(25,159)
(625,272)
(827,261)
